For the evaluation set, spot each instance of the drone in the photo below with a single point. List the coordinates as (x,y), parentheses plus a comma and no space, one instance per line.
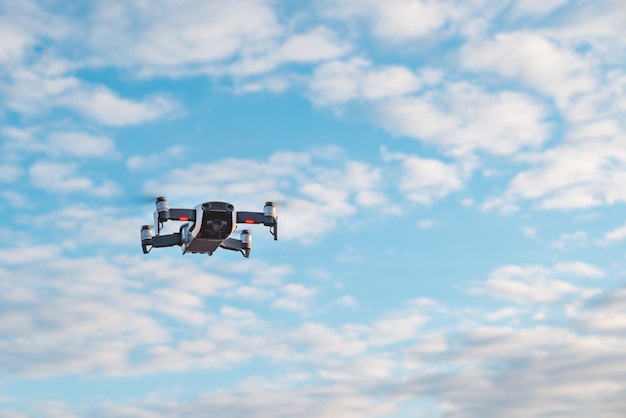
(208,226)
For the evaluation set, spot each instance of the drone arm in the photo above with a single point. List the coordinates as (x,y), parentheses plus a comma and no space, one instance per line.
(251,218)
(159,241)
(164,215)
(259,218)
(177,215)
(236,245)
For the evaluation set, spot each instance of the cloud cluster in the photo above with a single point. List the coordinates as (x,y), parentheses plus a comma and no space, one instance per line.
(535,61)
(503,110)
(539,91)
(65,178)
(536,284)
(583,174)
(36,92)
(315,197)
(473,363)
(314,190)
(395,20)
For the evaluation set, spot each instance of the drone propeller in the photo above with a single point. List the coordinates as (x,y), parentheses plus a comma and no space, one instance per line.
(144,200)
(281,203)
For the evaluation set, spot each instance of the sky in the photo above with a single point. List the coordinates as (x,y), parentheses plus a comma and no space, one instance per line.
(450,180)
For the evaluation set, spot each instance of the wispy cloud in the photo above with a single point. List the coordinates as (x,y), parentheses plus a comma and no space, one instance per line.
(64,178)
(30,92)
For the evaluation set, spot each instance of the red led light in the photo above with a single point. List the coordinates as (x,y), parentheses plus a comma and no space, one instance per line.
(249,221)
(183,218)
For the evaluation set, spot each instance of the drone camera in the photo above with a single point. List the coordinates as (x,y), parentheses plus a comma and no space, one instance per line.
(217,220)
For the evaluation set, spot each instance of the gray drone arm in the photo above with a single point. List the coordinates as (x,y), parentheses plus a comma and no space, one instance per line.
(243,245)
(253,218)
(149,241)
(267,218)
(163,213)
(177,215)
(161,216)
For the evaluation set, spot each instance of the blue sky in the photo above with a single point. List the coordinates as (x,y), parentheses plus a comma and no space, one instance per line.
(450,178)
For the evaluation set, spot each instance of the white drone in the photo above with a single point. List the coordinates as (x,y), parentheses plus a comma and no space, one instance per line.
(208,226)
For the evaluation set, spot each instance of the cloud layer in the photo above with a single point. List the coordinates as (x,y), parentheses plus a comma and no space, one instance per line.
(452,237)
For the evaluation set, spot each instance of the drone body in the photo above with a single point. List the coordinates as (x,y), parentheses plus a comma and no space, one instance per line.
(208,227)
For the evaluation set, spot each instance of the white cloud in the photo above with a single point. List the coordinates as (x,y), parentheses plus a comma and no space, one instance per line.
(338,82)
(534,60)
(597,25)
(92,315)
(81,144)
(213,38)
(153,161)
(103,105)
(423,180)
(322,340)
(33,92)
(74,319)
(118,316)
(294,297)
(579,268)
(577,175)
(504,313)
(169,272)
(537,284)
(409,19)
(14,199)
(254,293)
(567,240)
(319,44)
(162,35)
(63,178)
(463,119)
(22,26)
(395,20)
(346,301)
(525,8)
(14,42)
(393,330)
(307,187)
(617,234)
(604,314)
(82,225)
(9,173)
(22,255)
(57,143)
(427,223)
(530,232)
(267,400)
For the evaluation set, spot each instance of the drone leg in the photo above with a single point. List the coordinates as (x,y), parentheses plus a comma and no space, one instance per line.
(237,245)
(158,241)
